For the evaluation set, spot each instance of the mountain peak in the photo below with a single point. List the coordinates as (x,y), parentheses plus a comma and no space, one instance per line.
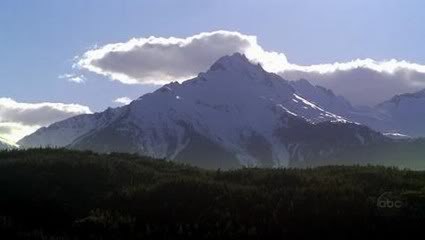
(235,57)
(398,98)
(236,61)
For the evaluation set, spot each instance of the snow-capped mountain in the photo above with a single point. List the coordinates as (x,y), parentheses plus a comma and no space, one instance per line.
(406,113)
(4,144)
(399,118)
(234,114)
(63,133)
(322,97)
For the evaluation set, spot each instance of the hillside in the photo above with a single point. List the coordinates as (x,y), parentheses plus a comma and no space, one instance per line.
(65,194)
(407,153)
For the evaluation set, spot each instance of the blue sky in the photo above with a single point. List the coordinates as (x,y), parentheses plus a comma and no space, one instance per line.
(39,39)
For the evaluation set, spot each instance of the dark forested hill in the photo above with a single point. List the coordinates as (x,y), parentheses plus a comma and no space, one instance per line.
(62,194)
(407,153)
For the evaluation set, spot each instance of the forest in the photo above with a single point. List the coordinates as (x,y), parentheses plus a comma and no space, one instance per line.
(66,194)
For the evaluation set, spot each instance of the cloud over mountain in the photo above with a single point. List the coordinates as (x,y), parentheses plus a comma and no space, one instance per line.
(363,82)
(158,60)
(19,119)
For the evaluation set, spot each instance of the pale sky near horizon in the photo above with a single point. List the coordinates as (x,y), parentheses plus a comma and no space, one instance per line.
(39,39)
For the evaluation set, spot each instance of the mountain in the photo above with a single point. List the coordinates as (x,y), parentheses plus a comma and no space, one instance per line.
(235,114)
(322,97)
(63,133)
(400,117)
(4,144)
(406,112)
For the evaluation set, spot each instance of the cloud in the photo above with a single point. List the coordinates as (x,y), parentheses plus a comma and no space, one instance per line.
(161,60)
(158,60)
(15,131)
(363,82)
(123,100)
(73,78)
(20,119)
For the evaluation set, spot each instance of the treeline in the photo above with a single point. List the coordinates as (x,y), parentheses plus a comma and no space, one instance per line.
(401,153)
(63,194)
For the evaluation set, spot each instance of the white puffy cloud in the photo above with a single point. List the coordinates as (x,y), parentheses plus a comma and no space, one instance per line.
(363,82)
(20,119)
(73,77)
(123,100)
(161,60)
(15,131)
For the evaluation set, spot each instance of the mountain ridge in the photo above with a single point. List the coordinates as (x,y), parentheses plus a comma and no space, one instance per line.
(402,115)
